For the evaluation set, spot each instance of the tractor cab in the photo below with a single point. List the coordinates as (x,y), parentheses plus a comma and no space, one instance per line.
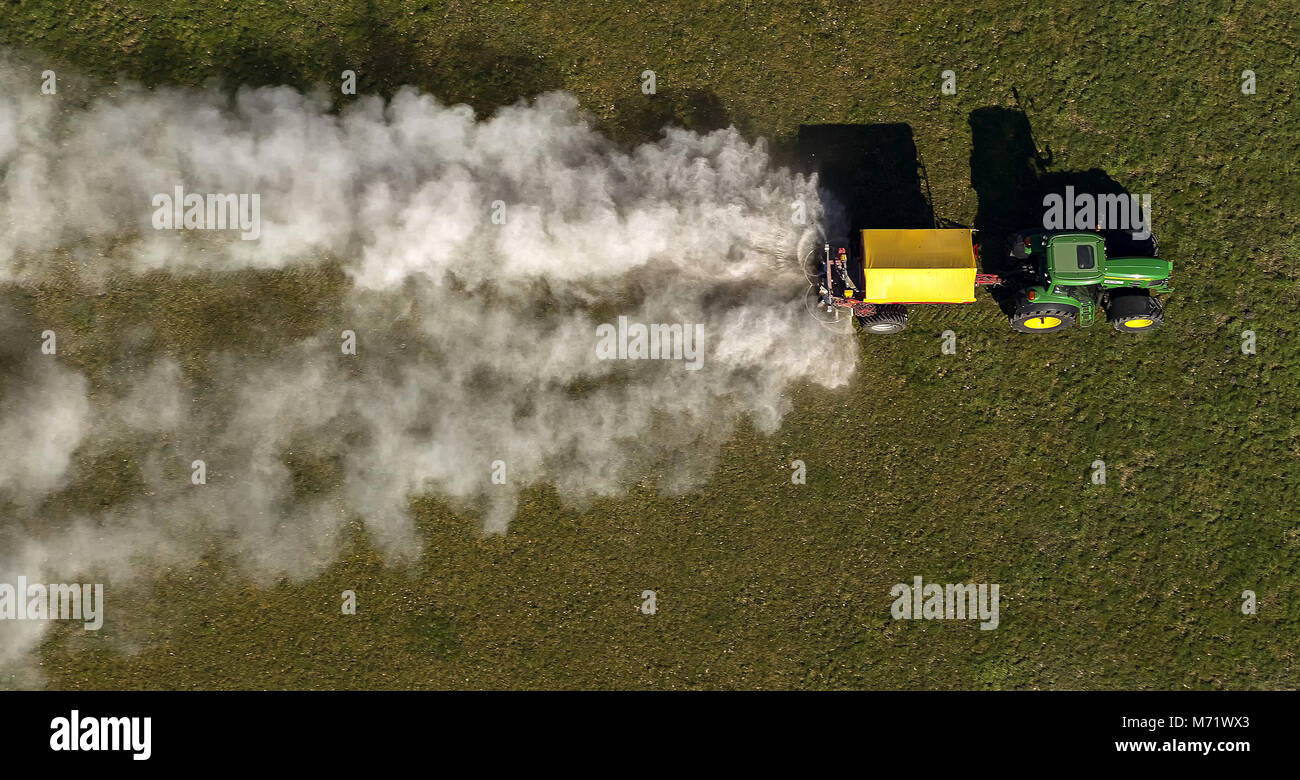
(1075,259)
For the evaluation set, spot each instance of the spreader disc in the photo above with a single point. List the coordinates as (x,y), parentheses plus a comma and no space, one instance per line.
(838,320)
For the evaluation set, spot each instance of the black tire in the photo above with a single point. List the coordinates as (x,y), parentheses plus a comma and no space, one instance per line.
(889,319)
(1134,311)
(1033,317)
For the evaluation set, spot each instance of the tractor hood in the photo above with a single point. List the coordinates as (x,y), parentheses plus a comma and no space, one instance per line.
(1138,268)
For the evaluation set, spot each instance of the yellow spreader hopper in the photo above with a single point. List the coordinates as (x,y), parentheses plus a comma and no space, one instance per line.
(918,266)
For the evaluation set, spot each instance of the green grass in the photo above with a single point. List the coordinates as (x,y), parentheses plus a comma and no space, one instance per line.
(971,467)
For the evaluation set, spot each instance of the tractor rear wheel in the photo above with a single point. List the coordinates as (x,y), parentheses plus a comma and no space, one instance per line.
(1134,311)
(889,318)
(1033,317)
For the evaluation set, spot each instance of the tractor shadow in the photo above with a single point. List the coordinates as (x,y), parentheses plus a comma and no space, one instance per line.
(1011,174)
(870,176)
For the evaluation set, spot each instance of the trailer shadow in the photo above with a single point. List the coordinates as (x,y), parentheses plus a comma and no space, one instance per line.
(1011,175)
(870,176)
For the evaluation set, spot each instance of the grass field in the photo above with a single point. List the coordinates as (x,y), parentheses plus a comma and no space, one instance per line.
(971,467)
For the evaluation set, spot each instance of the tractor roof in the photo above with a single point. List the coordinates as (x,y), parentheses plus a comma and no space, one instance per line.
(1076,258)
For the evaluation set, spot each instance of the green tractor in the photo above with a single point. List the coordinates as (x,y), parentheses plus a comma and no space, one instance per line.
(1065,276)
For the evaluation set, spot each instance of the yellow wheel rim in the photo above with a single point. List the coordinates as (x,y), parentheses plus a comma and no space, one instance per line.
(1141,322)
(1042,323)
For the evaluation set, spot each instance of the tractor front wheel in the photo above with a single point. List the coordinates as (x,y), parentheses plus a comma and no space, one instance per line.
(1135,312)
(1043,317)
(889,318)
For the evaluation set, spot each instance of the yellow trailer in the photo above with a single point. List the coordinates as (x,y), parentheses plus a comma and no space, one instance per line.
(918,266)
(900,267)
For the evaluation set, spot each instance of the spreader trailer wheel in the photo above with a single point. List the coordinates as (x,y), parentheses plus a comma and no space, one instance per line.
(887,319)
